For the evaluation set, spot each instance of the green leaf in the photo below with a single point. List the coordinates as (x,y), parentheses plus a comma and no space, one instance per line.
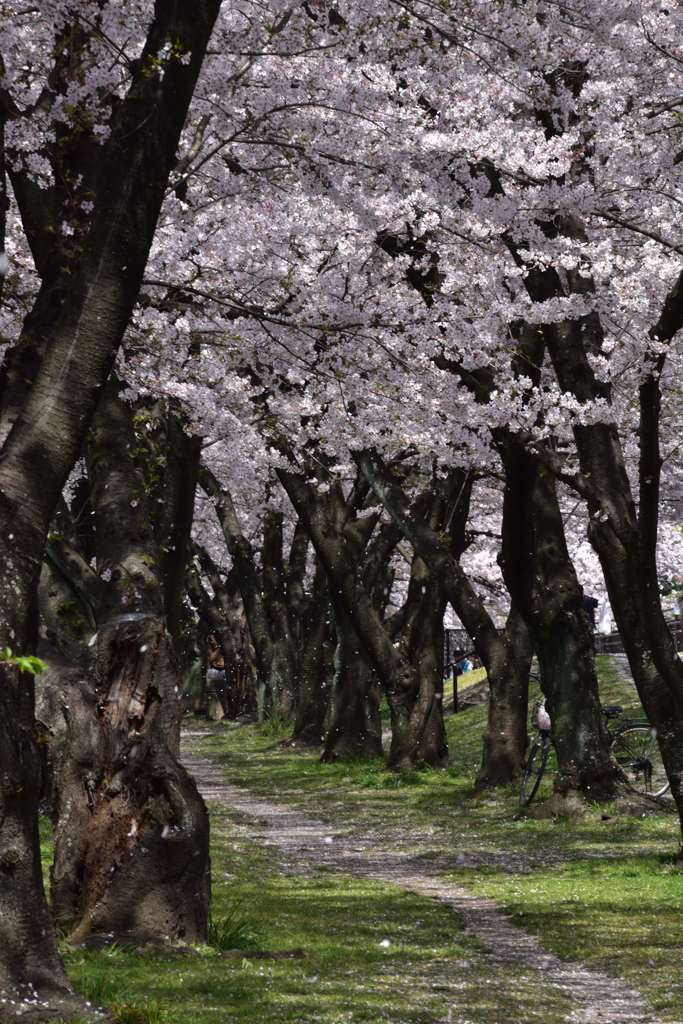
(24,662)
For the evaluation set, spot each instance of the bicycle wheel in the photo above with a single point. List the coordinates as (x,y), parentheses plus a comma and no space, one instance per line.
(533,770)
(636,751)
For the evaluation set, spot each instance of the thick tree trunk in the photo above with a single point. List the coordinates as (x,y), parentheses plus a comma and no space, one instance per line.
(542,581)
(505,738)
(355,727)
(131,831)
(44,415)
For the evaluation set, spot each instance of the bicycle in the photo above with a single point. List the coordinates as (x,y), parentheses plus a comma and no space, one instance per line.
(633,744)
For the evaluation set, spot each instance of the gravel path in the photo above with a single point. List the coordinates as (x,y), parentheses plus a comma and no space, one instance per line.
(596,997)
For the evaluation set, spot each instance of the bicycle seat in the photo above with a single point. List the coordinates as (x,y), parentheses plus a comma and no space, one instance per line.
(612,711)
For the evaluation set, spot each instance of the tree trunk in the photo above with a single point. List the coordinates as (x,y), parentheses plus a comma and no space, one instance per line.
(312,688)
(624,540)
(355,727)
(272,662)
(506,658)
(44,417)
(169,457)
(131,831)
(223,614)
(422,642)
(542,581)
(28,950)
(281,678)
(505,738)
(335,535)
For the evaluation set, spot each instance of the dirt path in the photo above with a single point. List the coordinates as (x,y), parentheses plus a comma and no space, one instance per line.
(597,998)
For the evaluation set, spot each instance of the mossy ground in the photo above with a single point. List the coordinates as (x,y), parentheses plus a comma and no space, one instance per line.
(603,890)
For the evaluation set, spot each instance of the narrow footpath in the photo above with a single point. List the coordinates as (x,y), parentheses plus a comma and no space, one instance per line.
(596,997)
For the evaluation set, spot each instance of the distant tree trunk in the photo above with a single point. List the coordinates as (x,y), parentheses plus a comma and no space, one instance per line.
(283,667)
(275,661)
(223,614)
(313,689)
(333,532)
(131,831)
(422,643)
(169,457)
(354,724)
(506,657)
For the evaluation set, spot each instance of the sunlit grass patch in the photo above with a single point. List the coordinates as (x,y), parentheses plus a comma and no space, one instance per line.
(621,914)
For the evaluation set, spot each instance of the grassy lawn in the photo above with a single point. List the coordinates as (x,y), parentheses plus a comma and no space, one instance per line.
(372,953)
(603,889)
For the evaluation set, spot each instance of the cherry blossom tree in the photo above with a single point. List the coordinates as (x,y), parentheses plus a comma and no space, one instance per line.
(88,182)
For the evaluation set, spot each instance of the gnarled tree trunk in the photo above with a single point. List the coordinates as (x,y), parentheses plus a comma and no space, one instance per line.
(131,831)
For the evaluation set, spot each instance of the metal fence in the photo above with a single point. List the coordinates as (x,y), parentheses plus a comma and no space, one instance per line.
(457,643)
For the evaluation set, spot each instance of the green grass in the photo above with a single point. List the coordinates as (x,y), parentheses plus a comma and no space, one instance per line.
(623,915)
(232,930)
(372,953)
(560,877)
(602,889)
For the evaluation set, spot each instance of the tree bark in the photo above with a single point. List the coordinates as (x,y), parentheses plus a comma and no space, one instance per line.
(355,727)
(131,831)
(45,414)
(542,581)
